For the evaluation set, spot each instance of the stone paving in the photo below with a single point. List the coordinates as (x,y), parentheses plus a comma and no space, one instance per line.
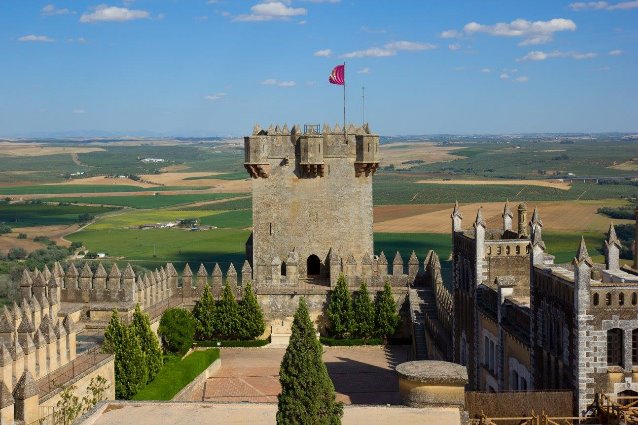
(361,375)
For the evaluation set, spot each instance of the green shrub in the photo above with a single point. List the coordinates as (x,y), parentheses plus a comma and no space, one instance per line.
(5,228)
(350,342)
(22,235)
(363,310)
(177,329)
(387,318)
(307,393)
(340,309)
(204,314)
(227,321)
(17,254)
(250,314)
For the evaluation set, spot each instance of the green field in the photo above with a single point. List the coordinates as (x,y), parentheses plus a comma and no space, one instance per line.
(85,188)
(234,204)
(148,201)
(176,373)
(25,215)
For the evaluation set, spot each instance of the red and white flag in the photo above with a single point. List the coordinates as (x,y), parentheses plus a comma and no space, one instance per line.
(338,75)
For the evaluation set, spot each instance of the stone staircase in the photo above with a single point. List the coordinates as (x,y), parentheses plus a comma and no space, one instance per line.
(421,303)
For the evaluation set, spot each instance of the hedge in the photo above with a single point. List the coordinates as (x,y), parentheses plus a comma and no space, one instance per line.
(233,343)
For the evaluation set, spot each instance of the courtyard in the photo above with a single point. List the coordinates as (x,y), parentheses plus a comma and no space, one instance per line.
(361,375)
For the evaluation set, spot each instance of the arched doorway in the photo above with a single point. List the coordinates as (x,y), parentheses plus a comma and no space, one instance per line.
(313,265)
(627,397)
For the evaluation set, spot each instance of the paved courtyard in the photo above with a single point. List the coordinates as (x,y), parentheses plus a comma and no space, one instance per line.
(361,375)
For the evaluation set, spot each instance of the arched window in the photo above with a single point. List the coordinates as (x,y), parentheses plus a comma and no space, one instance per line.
(621,299)
(595,298)
(313,265)
(283,268)
(518,249)
(634,299)
(615,347)
(608,298)
(634,347)
(507,250)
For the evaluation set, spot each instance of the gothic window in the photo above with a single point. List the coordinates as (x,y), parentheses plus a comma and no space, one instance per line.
(518,249)
(507,250)
(634,298)
(283,268)
(498,250)
(523,385)
(621,299)
(615,347)
(596,299)
(634,347)
(514,381)
(608,298)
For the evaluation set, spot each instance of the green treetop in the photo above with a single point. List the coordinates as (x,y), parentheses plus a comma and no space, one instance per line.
(340,309)
(251,315)
(307,393)
(141,325)
(363,310)
(227,320)
(204,313)
(387,318)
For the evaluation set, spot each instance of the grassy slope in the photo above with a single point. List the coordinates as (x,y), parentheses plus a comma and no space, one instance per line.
(176,374)
(149,201)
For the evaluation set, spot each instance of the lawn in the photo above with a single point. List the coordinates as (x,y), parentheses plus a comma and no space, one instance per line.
(176,374)
(25,215)
(149,201)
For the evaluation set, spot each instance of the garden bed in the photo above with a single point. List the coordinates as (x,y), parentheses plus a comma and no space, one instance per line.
(176,373)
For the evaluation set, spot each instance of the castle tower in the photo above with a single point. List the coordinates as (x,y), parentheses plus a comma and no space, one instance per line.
(507,217)
(612,250)
(583,329)
(312,193)
(522,219)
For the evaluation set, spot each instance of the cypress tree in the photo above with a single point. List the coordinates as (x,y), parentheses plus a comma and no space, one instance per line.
(149,343)
(204,313)
(251,315)
(363,310)
(113,334)
(307,393)
(176,328)
(131,369)
(340,309)
(387,318)
(227,320)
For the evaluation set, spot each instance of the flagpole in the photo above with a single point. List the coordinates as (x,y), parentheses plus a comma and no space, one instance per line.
(344,98)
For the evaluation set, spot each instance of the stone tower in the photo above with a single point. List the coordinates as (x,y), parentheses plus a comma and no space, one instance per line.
(312,197)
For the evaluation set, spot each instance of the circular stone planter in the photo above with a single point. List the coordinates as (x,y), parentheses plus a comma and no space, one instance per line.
(432,383)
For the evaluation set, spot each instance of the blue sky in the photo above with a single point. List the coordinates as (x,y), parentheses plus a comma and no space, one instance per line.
(198,67)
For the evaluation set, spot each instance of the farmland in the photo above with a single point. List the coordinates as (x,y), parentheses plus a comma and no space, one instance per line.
(147,201)
(24,215)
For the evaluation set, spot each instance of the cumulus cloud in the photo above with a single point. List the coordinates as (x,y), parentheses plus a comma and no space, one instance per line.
(275,82)
(389,49)
(51,10)
(364,71)
(104,13)
(603,5)
(616,52)
(32,38)
(504,76)
(454,46)
(325,53)
(216,96)
(537,32)
(538,55)
(271,10)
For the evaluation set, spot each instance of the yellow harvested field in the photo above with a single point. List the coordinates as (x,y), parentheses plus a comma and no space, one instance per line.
(627,166)
(571,216)
(544,183)
(398,153)
(35,149)
(102,180)
(55,233)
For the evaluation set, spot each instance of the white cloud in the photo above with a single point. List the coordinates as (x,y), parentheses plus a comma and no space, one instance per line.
(537,32)
(51,10)
(450,34)
(271,10)
(216,96)
(364,71)
(616,52)
(36,39)
(373,52)
(80,40)
(389,49)
(322,1)
(521,79)
(325,53)
(78,111)
(486,70)
(603,5)
(275,82)
(454,46)
(504,76)
(104,13)
(538,55)
(409,45)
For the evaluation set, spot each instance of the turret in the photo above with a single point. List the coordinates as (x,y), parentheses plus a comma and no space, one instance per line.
(508,217)
(368,157)
(457,218)
(256,150)
(612,250)
(522,220)
(311,154)
(582,277)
